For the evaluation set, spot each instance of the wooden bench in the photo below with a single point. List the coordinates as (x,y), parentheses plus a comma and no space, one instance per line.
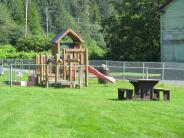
(166,94)
(122,91)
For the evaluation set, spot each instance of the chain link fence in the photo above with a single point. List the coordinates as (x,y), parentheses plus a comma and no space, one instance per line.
(167,72)
(8,62)
(164,71)
(32,74)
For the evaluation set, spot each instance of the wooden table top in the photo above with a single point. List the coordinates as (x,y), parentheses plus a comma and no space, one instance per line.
(144,80)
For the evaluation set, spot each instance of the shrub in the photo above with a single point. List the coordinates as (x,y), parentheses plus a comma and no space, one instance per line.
(35,43)
(95,52)
(8,51)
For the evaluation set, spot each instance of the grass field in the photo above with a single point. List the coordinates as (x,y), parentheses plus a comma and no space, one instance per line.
(87,112)
(134,74)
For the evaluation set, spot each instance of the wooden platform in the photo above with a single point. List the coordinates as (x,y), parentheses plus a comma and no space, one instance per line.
(64,83)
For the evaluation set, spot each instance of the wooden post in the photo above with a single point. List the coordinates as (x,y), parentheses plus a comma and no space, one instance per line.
(80,76)
(38,64)
(56,49)
(56,75)
(56,69)
(64,64)
(86,67)
(41,69)
(70,74)
(38,69)
(46,72)
(36,60)
(70,71)
(82,63)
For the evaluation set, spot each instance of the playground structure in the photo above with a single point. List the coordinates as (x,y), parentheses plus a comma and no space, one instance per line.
(68,64)
(68,61)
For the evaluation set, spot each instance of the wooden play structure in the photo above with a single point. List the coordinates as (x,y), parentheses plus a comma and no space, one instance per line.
(68,64)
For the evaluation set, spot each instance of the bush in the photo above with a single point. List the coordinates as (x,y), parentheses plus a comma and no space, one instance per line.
(8,51)
(95,52)
(36,44)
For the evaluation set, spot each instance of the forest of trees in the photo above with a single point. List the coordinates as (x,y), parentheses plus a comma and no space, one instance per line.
(112,29)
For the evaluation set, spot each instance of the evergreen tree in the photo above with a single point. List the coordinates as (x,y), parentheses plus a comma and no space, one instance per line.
(132,33)
(7,25)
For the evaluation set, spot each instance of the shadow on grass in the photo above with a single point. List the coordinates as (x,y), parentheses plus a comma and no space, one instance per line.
(135,100)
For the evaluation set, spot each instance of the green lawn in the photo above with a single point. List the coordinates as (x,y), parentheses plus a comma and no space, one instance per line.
(134,74)
(87,112)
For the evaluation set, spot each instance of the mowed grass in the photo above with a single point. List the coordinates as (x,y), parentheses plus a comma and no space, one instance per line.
(87,112)
(133,74)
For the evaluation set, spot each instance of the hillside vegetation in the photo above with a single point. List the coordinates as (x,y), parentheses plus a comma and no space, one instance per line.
(112,29)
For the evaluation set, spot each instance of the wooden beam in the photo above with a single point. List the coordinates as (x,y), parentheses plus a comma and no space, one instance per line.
(72,60)
(86,67)
(41,69)
(70,71)
(56,49)
(56,75)
(75,50)
(64,63)
(46,72)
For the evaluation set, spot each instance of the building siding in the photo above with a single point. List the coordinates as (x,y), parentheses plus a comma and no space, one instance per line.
(172,32)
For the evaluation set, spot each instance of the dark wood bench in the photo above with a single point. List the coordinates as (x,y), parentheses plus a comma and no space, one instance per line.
(166,94)
(123,91)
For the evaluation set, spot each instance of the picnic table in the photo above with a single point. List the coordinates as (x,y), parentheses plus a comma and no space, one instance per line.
(144,88)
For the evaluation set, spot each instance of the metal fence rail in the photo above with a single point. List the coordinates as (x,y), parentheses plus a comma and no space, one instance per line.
(167,70)
(7,62)
(120,70)
(165,75)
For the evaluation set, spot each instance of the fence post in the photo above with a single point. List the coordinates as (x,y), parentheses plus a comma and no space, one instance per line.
(124,71)
(106,62)
(11,75)
(29,66)
(143,69)
(22,68)
(147,73)
(163,72)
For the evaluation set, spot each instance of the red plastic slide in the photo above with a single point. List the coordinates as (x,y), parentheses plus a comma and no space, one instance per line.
(100,75)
